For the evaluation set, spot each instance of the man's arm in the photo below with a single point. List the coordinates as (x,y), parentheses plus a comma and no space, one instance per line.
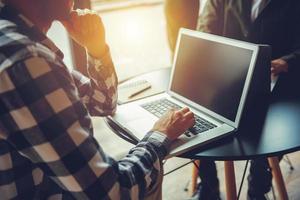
(98,91)
(211,20)
(45,121)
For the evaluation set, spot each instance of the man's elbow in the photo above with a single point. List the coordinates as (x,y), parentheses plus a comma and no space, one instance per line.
(109,109)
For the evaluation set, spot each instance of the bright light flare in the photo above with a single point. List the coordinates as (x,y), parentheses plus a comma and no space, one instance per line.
(134,30)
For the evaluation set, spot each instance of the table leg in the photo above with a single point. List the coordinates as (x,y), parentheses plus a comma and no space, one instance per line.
(194,177)
(230,180)
(276,172)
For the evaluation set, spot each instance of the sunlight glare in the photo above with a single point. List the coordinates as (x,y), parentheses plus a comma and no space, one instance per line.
(133,31)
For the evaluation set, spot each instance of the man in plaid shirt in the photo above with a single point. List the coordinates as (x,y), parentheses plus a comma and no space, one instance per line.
(47,148)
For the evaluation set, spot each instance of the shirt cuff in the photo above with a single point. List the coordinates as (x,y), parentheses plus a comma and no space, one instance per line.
(291,60)
(159,141)
(98,63)
(102,70)
(288,57)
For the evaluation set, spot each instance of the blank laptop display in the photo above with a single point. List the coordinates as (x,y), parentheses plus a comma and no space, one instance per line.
(211,74)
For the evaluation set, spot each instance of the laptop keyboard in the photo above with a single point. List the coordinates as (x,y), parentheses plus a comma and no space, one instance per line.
(161,106)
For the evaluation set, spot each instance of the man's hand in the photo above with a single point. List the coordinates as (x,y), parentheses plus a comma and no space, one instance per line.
(174,123)
(278,66)
(87,29)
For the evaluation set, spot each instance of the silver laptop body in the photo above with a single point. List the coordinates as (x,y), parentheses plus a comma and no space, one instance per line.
(210,75)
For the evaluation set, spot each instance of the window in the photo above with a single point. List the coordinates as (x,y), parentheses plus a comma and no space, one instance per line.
(136,34)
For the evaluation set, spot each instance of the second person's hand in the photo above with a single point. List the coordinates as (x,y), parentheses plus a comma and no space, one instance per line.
(278,66)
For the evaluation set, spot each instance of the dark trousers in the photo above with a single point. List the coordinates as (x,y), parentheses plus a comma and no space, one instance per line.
(259,179)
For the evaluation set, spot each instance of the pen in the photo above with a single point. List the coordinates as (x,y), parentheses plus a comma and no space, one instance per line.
(139,91)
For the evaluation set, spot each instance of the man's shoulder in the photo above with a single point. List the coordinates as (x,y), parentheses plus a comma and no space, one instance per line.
(11,38)
(16,46)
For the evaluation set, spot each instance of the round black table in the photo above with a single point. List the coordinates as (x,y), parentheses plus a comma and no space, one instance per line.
(280,134)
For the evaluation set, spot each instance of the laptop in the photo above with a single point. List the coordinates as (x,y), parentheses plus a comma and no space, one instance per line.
(211,75)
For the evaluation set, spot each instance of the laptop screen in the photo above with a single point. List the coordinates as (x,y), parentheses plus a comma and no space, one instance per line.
(211,74)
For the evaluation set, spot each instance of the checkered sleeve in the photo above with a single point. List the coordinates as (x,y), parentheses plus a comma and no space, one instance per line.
(99,91)
(43,118)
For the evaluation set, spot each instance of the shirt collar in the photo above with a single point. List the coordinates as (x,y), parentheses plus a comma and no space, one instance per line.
(26,27)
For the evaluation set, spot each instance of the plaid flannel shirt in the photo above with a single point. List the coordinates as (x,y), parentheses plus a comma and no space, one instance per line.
(47,148)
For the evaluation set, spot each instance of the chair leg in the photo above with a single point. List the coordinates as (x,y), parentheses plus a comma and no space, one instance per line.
(194,178)
(276,172)
(230,180)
